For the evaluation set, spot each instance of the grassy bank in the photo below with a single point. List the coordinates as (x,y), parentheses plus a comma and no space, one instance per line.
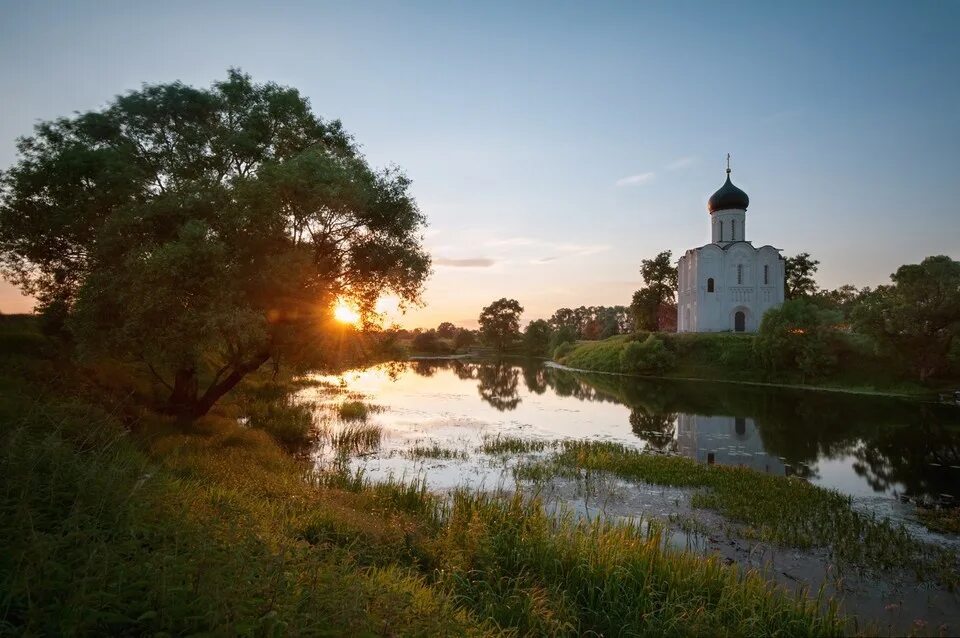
(118,521)
(732,357)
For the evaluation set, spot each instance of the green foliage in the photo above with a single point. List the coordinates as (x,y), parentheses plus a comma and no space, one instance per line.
(204,231)
(463,339)
(798,336)
(429,342)
(799,271)
(660,276)
(563,334)
(446,330)
(500,323)
(647,357)
(561,351)
(536,337)
(918,317)
(591,322)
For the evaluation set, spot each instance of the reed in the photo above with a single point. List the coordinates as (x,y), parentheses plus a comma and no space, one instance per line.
(434,452)
(499,444)
(357,438)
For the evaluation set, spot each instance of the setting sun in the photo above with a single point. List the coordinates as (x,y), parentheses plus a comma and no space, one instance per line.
(343,313)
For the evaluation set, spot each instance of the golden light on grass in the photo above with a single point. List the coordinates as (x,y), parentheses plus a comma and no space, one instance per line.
(344,313)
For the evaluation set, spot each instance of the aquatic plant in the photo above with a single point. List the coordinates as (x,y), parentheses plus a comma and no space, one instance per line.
(434,452)
(357,438)
(353,410)
(787,511)
(499,444)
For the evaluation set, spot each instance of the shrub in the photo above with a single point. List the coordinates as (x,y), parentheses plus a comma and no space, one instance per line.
(562,351)
(647,357)
(798,337)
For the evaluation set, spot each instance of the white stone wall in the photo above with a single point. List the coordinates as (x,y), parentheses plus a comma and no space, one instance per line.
(745,279)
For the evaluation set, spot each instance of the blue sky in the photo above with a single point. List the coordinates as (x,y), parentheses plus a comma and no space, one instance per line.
(554,145)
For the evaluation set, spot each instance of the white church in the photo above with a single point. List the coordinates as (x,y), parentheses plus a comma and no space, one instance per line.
(728,284)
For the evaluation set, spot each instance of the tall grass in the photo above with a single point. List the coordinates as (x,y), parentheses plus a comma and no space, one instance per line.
(507,559)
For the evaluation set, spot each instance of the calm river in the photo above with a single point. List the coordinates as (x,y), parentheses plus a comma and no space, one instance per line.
(877,450)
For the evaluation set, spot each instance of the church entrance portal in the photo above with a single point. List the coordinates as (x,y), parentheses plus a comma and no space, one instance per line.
(739,321)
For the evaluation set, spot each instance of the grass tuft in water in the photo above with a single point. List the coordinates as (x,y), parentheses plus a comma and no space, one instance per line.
(499,444)
(353,411)
(434,452)
(357,438)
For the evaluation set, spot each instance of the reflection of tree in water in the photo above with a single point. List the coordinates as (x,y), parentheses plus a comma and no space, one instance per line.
(894,442)
(425,367)
(464,370)
(919,457)
(534,376)
(498,385)
(658,430)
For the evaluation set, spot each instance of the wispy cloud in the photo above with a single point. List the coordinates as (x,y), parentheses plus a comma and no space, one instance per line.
(681,162)
(474,262)
(632,180)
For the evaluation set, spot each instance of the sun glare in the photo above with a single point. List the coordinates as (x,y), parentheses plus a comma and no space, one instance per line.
(345,314)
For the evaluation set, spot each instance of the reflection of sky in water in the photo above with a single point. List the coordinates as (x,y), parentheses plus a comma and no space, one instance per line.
(455,405)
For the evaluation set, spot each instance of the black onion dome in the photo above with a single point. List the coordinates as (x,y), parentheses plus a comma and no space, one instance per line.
(729,196)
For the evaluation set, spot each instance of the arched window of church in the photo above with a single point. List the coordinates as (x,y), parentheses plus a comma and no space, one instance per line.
(766,274)
(733,230)
(710,284)
(739,274)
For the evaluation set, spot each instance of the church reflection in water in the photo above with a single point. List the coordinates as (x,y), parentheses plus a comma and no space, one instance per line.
(726,440)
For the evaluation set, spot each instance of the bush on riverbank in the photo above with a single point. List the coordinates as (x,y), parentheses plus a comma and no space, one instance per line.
(119,521)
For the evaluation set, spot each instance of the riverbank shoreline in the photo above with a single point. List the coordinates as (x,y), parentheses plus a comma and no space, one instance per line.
(732,358)
(786,386)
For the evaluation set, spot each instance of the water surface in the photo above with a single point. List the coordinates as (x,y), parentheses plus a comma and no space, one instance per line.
(877,450)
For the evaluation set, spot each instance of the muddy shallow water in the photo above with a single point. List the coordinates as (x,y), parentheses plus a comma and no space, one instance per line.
(885,454)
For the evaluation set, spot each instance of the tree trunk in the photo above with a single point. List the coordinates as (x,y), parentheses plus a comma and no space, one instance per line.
(185,400)
(220,388)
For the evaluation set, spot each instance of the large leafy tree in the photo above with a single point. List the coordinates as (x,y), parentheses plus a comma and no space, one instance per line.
(204,231)
(660,276)
(918,317)
(500,323)
(799,271)
(536,337)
